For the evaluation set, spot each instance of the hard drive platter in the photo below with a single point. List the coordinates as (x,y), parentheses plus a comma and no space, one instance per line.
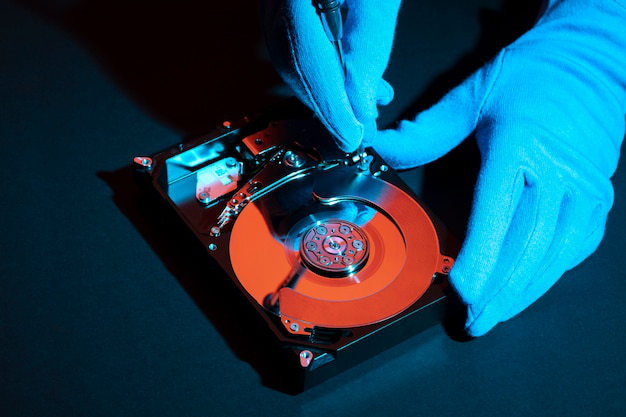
(333,251)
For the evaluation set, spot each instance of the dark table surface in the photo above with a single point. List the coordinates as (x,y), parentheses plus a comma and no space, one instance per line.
(101,314)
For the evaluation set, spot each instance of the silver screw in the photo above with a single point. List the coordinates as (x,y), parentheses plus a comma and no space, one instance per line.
(321,230)
(292,159)
(143,161)
(203,197)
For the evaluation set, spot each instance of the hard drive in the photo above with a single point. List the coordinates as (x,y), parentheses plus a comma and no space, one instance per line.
(334,252)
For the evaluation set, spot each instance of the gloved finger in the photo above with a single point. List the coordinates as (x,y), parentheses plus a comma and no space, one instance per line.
(495,203)
(308,62)
(436,131)
(553,264)
(594,233)
(367,41)
(502,277)
(383,96)
(577,223)
(384,93)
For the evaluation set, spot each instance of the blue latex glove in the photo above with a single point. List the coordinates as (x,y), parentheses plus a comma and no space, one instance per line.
(548,116)
(308,62)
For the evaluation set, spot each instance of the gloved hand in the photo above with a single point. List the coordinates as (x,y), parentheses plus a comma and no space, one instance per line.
(308,62)
(548,116)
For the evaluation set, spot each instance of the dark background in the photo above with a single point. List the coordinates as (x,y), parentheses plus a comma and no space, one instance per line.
(103,312)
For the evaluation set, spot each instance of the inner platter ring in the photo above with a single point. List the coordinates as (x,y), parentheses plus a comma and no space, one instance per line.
(334,248)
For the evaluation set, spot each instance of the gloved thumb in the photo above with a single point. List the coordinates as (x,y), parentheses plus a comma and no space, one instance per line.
(436,131)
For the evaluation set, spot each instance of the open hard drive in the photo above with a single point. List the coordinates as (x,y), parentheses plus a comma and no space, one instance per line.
(333,251)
